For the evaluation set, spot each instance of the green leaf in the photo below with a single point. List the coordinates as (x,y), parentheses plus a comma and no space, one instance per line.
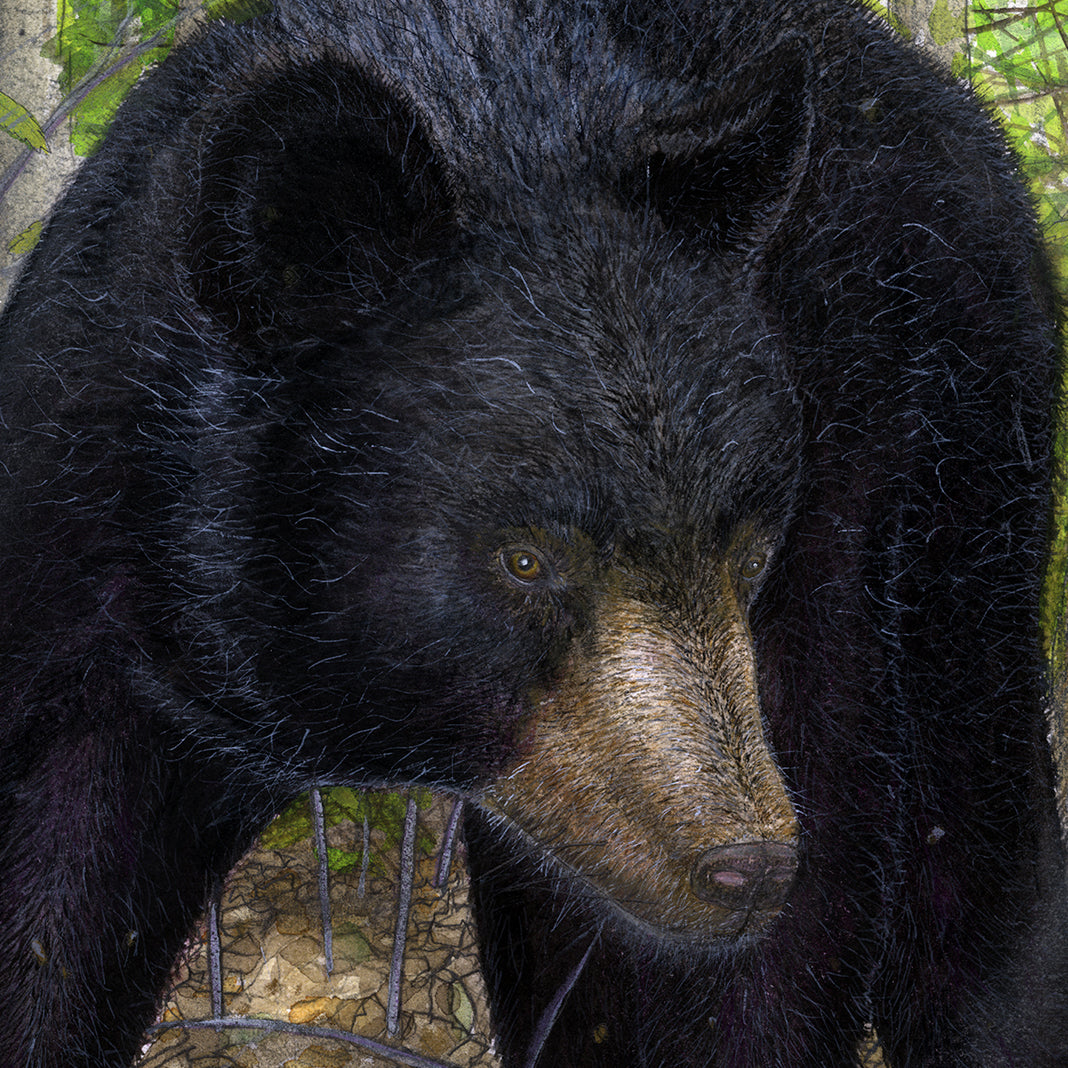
(102,47)
(20,244)
(91,118)
(18,122)
(461,1006)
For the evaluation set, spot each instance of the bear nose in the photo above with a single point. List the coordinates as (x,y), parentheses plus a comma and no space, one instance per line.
(745,875)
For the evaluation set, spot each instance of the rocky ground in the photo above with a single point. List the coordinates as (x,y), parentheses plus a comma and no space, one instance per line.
(273,957)
(281,1004)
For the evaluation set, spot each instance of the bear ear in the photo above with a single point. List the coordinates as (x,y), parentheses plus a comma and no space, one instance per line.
(318,189)
(725,171)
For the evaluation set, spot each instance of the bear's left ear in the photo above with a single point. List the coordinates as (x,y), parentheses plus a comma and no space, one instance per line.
(725,171)
(318,188)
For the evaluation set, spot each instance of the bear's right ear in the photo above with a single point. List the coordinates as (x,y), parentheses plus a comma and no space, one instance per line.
(724,172)
(317,189)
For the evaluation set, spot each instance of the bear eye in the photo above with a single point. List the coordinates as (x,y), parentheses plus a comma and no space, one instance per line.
(753,565)
(522,565)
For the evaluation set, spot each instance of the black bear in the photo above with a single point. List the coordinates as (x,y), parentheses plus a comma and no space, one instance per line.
(633,416)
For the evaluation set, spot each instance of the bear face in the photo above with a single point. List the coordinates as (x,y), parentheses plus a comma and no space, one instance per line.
(581,655)
(555,565)
(632,418)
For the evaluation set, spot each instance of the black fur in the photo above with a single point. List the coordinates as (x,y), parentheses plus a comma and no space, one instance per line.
(352,296)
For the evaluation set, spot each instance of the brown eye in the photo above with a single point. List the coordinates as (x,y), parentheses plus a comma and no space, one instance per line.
(753,565)
(522,564)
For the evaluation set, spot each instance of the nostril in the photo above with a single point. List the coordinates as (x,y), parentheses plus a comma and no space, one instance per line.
(745,875)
